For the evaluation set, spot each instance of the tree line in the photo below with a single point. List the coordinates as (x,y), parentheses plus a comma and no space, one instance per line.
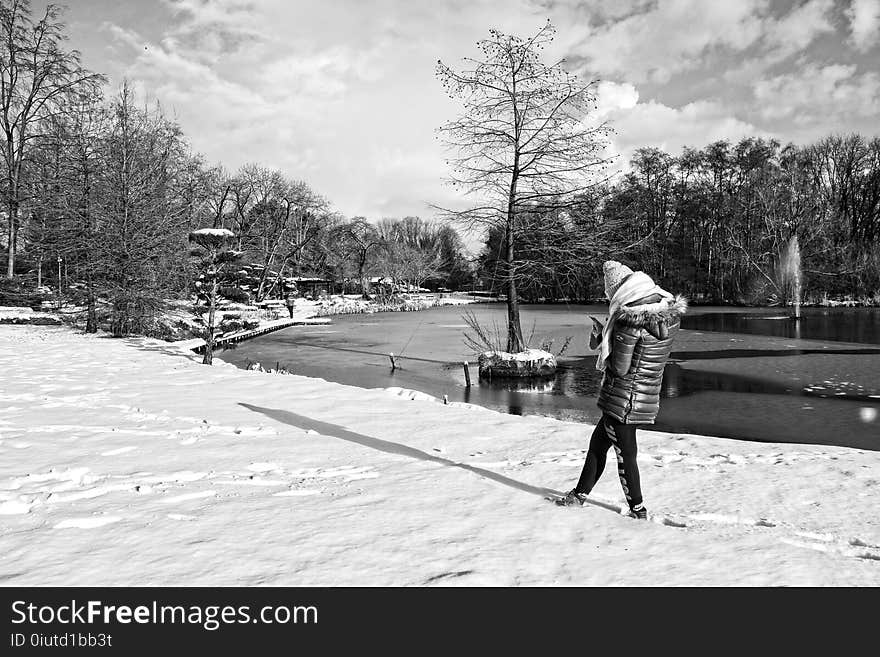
(99,195)
(713,223)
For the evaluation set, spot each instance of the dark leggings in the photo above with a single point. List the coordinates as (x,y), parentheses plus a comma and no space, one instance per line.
(611,433)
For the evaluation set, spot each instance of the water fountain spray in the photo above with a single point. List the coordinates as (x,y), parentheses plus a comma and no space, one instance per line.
(791,273)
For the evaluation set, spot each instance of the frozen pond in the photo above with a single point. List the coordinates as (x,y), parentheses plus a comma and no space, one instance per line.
(740,373)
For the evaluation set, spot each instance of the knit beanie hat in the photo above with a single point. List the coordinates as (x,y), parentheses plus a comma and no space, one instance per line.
(615,273)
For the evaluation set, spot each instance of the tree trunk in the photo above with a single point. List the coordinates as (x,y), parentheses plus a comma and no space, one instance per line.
(514,327)
(91,312)
(365,282)
(261,288)
(91,315)
(13,230)
(209,332)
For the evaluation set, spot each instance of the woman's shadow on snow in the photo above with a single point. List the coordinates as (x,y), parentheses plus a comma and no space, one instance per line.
(327,429)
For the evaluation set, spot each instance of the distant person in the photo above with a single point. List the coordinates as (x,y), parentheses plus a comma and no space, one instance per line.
(634,347)
(290,302)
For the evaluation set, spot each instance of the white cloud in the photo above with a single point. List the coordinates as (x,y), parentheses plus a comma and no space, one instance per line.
(794,31)
(654,43)
(864,23)
(232,13)
(783,37)
(670,129)
(654,124)
(613,96)
(819,94)
(670,37)
(325,73)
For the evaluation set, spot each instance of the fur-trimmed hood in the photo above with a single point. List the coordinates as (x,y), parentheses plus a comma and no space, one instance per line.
(655,317)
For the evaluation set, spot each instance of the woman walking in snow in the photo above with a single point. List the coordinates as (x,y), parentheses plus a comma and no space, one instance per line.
(290,301)
(635,345)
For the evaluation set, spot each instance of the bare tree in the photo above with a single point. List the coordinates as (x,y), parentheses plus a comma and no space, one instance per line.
(522,144)
(417,266)
(411,249)
(275,219)
(36,77)
(357,243)
(143,210)
(63,183)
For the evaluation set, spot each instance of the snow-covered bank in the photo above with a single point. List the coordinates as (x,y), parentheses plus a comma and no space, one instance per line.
(353,305)
(307,311)
(24,315)
(125,462)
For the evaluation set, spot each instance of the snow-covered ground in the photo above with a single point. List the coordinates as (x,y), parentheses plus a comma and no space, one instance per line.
(24,315)
(125,462)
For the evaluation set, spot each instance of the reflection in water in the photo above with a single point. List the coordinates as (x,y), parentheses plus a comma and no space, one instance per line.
(678,382)
(577,379)
(524,385)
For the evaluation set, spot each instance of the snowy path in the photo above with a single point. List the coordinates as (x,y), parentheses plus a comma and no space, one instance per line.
(134,465)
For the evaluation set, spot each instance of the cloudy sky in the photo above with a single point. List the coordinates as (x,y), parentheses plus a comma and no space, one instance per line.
(342,93)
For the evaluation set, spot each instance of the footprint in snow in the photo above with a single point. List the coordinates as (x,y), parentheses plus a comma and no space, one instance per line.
(186,497)
(186,475)
(830,545)
(15,507)
(725,519)
(297,493)
(87,493)
(667,521)
(87,523)
(250,480)
(263,467)
(181,516)
(120,450)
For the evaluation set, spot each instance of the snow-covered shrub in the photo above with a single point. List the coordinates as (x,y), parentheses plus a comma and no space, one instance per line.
(215,262)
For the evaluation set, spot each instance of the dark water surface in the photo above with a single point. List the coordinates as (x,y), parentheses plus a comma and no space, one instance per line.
(837,324)
(750,374)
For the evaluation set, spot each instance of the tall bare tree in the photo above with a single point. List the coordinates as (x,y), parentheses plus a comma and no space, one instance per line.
(411,250)
(37,76)
(143,209)
(63,190)
(356,244)
(523,144)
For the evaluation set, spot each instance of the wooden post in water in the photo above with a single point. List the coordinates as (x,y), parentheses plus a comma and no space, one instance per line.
(393,364)
(467,375)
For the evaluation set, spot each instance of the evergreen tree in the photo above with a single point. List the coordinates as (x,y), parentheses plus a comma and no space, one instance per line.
(213,256)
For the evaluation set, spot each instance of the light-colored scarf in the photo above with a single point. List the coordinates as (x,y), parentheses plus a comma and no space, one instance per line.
(635,287)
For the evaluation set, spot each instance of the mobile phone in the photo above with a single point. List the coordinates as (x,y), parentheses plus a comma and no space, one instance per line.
(596,333)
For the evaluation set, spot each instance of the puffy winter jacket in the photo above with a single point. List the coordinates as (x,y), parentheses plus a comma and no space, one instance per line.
(641,344)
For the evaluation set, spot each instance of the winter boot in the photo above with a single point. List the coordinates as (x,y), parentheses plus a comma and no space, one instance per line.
(639,512)
(572,498)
